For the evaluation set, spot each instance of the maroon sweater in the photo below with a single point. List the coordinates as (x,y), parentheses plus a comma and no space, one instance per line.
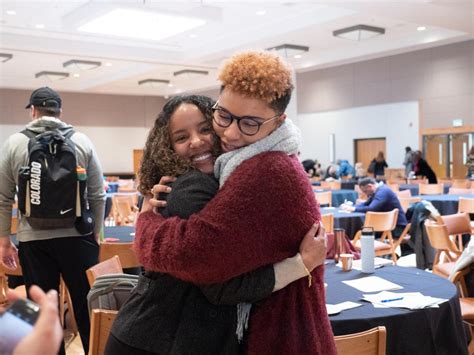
(257,218)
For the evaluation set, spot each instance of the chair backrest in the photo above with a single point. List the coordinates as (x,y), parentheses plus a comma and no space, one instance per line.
(439,239)
(362,195)
(101,323)
(381,221)
(397,181)
(461,184)
(324,197)
(124,251)
(418,181)
(405,202)
(459,191)
(328,222)
(331,185)
(370,342)
(394,187)
(430,189)
(109,266)
(403,193)
(466,205)
(458,223)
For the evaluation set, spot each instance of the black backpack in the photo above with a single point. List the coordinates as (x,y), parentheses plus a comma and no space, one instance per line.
(50,195)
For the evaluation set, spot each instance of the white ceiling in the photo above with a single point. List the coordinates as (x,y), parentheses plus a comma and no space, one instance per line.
(231,26)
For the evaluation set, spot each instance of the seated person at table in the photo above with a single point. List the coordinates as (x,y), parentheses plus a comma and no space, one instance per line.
(380,199)
(345,169)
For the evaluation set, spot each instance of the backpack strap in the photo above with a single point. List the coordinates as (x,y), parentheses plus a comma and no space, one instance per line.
(28,133)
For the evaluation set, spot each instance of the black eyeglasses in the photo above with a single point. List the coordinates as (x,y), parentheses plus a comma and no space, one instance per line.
(247,125)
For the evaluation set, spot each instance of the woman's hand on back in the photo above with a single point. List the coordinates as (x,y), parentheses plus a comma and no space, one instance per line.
(161,187)
(313,247)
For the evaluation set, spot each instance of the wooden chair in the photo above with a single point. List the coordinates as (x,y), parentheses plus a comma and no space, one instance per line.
(466,205)
(370,342)
(459,191)
(438,236)
(109,266)
(405,202)
(331,185)
(124,251)
(466,302)
(418,181)
(4,272)
(324,197)
(458,224)
(385,223)
(126,185)
(125,211)
(394,187)
(328,222)
(431,189)
(397,181)
(461,184)
(403,193)
(101,323)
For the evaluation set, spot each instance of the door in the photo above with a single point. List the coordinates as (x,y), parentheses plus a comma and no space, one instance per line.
(458,154)
(436,154)
(367,149)
(137,158)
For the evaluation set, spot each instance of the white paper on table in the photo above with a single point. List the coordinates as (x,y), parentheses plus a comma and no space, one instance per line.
(344,211)
(372,284)
(410,300)
(378,262)
(337,308)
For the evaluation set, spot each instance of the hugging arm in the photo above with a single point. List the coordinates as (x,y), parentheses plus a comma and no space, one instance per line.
(254,220)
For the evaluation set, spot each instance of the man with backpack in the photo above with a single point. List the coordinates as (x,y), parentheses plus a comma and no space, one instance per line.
(57,177)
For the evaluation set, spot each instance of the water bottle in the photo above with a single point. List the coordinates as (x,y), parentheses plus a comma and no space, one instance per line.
(367,250)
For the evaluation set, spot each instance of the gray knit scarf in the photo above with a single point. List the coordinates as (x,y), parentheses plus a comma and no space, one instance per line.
(287,139)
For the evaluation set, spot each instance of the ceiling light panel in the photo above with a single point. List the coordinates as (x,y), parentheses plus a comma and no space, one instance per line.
(5,57)
(359,32)
(51,75)
(82,64)
(153,83)
(190,73)
(139,24)
(289,50)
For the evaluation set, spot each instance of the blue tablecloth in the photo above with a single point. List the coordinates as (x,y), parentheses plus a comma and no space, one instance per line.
(345,185)
(414,188)
(350,222)
(425,331)
(340,196)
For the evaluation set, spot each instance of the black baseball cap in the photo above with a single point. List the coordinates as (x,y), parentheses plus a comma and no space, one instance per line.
(45,97)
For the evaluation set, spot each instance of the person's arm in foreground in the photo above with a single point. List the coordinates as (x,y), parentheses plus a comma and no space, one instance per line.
(47,333)
(239,230)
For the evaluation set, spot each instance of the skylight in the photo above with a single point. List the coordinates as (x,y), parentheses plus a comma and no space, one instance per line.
(138,24)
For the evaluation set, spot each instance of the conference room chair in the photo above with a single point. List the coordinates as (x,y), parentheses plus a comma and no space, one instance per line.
(417,181)
(461,183)
(126,185)
(447,252)
(385,223)
(324,198)
(101,324)
(106,267)
(394,187)
(124,251)
(124,209)
(406,202)
(448,181)
(459,191)
(4,272)
(458,224)
(466,302)
(430,189)
(328,222)
(467,205)
(397,181)
(370,342)
(331,185)
(403,193)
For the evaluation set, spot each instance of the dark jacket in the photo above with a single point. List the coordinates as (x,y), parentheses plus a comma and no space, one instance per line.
(168,316)
(377,167)
(383,200)
(422,168)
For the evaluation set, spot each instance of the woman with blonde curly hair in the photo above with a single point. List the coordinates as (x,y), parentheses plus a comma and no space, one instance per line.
(264,205)
(164,314)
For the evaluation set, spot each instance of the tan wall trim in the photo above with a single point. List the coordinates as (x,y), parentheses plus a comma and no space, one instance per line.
(447,130)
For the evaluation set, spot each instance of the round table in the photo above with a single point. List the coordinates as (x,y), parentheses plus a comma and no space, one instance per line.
(425,331)
(351,222)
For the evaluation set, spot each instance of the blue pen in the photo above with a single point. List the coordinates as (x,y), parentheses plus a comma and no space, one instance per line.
(392,299)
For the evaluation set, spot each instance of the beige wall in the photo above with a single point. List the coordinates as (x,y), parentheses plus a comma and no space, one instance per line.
(441,79)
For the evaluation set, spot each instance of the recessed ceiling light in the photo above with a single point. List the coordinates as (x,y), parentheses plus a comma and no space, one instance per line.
(144,25)
(289,50)
(39,26)
(11,12)
(359,32)
(153,83)
(297,56)
(421,28)
(76,75)
(108,64)
(170,85)
(5,57)
(261,12)
(190,73)
(52,75)
(82,64)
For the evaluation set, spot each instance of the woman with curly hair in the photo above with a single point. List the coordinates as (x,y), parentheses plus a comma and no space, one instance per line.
(264,205)
(164,314)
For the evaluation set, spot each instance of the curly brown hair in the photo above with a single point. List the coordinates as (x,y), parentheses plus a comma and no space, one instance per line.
(259,74)
(159,158)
